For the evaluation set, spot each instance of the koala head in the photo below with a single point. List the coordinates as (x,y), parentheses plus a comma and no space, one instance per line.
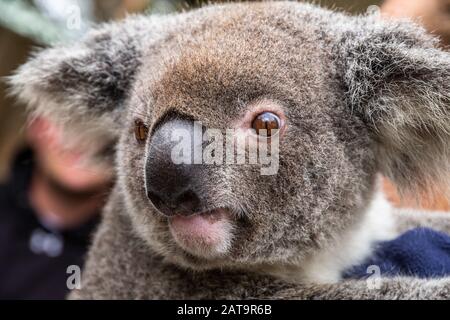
(346,98)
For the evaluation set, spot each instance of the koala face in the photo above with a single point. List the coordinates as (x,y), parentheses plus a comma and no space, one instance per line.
(222,214)
(341,116)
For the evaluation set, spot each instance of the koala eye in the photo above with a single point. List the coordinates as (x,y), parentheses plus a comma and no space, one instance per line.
(268,121)
(140,131)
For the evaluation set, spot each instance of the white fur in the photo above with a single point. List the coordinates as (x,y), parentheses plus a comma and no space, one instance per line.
(354,246)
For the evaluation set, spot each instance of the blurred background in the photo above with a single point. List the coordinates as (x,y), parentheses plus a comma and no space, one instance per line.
(27,24)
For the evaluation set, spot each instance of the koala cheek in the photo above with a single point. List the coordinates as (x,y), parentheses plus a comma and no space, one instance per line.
(203,236)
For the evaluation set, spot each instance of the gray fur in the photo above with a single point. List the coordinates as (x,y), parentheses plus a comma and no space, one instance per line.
(400,83)
(360,95)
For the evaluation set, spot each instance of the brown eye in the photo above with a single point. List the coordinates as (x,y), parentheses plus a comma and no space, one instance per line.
(140,131)
(268,121)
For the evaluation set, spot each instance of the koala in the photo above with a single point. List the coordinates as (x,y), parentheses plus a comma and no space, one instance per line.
(348,98)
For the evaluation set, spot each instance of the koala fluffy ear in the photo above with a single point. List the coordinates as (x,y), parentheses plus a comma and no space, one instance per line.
(399,82)
(83,86)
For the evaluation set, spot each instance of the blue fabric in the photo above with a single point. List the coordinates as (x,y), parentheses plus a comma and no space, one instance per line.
(420,252)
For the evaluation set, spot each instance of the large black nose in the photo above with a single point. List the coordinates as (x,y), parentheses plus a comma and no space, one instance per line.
(170,172)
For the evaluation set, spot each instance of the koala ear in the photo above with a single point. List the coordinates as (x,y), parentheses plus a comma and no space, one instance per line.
(399,82)
(83,86)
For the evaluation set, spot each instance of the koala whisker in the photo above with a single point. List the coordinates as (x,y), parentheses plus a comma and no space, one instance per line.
(237,209)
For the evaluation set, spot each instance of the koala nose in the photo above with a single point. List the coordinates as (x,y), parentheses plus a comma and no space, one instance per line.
(185,203)
(170,184)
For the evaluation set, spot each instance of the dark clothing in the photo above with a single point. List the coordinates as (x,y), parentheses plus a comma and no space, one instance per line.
(419,252)
(34,258)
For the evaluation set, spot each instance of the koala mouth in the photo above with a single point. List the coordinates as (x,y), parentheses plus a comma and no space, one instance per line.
(206,234)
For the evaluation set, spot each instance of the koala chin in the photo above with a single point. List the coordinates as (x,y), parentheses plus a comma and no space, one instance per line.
(206,235)
(334,100)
